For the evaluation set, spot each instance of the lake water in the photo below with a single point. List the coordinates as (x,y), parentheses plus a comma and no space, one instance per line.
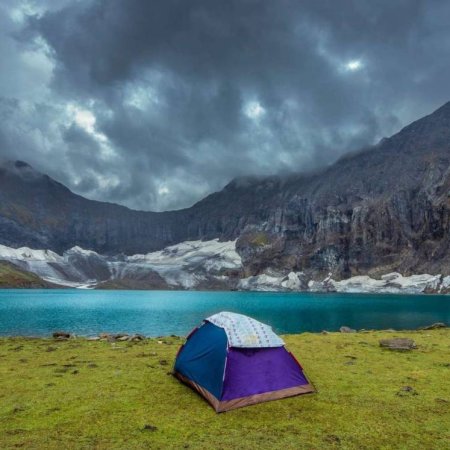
(156,313)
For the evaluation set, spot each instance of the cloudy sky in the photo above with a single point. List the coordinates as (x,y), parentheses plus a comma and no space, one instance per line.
(155,104)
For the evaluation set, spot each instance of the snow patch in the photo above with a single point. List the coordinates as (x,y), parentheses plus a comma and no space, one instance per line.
(392,283)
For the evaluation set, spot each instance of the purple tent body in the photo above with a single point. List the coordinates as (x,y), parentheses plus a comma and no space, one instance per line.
(233,360)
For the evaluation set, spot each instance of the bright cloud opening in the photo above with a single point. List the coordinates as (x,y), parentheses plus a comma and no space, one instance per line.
(82,117)
(86,120)
(254,110)
(354,65)
(163,190)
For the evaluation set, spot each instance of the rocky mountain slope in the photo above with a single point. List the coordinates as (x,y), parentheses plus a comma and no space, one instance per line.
(383,209)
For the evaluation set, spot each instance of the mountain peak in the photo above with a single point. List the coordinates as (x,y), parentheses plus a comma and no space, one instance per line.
(21,169)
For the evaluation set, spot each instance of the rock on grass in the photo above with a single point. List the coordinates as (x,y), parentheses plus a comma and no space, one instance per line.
(402,344)
(347,330)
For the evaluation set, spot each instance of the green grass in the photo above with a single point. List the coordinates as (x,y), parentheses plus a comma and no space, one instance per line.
(98,395)
(13,276)
(259,239)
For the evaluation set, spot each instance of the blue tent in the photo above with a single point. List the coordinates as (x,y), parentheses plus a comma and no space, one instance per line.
(233,360)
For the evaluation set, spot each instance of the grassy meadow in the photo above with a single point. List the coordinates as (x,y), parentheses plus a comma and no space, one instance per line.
(81,394)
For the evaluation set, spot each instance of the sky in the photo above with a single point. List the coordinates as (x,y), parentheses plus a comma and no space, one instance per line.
(156,104)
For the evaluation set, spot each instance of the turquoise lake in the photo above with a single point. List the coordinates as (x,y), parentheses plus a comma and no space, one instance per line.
(156,313)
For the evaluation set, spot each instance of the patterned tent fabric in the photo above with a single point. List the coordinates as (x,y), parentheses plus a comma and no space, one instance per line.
(245,332)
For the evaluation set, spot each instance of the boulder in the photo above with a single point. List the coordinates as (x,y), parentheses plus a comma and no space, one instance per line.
(136,338)
(119,336)
(402,344)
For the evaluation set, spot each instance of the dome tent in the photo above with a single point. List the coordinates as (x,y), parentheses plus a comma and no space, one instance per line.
(233,360)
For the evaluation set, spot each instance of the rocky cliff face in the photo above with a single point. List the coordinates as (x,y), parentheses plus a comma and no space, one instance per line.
(384,209)
(381,210)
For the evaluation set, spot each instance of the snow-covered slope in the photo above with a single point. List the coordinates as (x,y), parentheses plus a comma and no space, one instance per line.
(198,265)
(75,268)
(185,265)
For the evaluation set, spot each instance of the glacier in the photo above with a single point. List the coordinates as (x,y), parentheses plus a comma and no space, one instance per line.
(182,266)
(200,265)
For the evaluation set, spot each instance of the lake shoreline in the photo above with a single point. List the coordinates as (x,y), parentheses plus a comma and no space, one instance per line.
(59,336)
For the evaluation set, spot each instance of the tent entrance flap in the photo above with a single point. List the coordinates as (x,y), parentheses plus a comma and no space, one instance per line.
(202,358)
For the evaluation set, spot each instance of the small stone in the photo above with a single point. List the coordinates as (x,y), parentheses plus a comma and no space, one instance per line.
(345,329)
(123,338)
(434,326)
(406,390)
(93,338)
(401,344)
(163,362)
(325,332)
(332,438)
(75,372)
(148,427)
(50,349)
(61,335)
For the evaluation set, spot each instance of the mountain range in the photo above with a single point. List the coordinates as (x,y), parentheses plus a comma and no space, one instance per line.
(380,210)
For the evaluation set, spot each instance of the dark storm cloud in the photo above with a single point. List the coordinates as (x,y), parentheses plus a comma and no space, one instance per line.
(155,104)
